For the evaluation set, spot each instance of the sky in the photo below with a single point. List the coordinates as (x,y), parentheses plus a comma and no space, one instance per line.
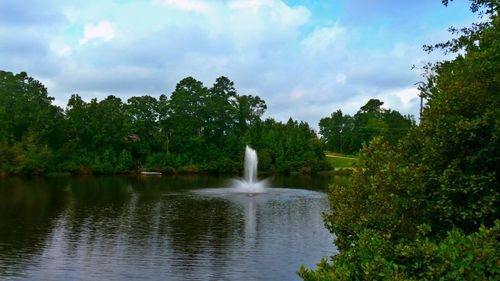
(305,58)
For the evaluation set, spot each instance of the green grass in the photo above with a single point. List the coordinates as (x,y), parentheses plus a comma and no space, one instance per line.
(339,160)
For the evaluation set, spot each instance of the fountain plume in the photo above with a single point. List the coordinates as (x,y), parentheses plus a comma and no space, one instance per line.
(250,183)
(251,163)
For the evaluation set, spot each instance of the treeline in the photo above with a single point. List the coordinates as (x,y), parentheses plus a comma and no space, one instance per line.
(428,206)
(346,134)
(195,129)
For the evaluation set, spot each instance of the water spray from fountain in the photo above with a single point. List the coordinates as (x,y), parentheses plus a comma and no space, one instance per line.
(251,163)
(250,183)
(251,186)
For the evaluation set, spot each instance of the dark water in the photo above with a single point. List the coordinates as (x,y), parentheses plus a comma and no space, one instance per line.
(159,228)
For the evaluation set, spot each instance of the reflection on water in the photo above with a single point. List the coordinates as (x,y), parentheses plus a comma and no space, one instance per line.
(157,228)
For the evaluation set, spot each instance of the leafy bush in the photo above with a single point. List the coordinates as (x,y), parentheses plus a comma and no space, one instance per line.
(125,162)
(426,207)
(456,257)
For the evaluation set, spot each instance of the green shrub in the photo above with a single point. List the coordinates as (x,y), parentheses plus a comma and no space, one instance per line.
(456,257)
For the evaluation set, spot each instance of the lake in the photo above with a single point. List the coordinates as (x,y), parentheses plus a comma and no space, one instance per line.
(160,228)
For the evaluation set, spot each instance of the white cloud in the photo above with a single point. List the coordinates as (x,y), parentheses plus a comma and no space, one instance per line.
(62,50)
(301,65)
(250,25)
(405,100)
(71,15)
(325,39)
(104,30)
(253,5)
(408,97)
(188,5)
(297,94)
(340,78)
(399,50)
(276,9)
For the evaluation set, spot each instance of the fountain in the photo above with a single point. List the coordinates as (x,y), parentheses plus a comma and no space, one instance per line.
(250,168)
(249,184)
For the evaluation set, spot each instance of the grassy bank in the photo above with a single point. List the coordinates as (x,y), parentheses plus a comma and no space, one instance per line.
(340,161)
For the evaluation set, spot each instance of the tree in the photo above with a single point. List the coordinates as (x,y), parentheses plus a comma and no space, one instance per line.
(249,110)
(413,208)
(30,126)
(26,107)
(221,110)
(398,125)
(346,134)
(195,129)
(186,113)
(164,122)
(77,119)
(108,123)
(333,129)
(289,147)
(372,106)
(143,113)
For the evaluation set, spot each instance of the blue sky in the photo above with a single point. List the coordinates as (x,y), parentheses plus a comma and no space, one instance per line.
(305,58)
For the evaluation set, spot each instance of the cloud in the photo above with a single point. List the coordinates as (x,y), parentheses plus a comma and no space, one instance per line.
(104,30)
(251,49)
(305,59)
(121,81)
(29,13)
(297,95)
(399,50)
(61,49)
(253,5)
(188,5)
(406,99)
(27,51)
(325,39)
(340,78)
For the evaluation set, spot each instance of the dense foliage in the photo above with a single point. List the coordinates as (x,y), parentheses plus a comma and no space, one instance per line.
(195,129)
(347,134)
(427,207)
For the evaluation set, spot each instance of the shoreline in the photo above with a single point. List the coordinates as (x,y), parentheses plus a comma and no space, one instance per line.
(179,172)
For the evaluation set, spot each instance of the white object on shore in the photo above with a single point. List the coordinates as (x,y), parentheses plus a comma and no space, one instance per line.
(151,173)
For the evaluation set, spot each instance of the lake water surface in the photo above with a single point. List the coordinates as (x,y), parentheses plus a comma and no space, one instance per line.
(159,228)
